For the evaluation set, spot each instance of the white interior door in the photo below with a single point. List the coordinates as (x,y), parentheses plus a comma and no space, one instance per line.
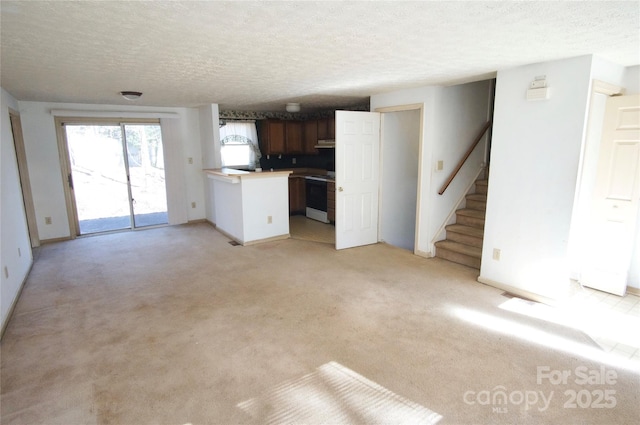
(615,198)
(357,178)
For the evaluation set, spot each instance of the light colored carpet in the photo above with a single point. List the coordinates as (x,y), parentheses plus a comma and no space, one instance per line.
(303,228)
(174,325)
(334,394)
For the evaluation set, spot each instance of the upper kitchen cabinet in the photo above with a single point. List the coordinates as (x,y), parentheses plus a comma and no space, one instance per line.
(327,128)
(310,137)
(293,141)
(272,137)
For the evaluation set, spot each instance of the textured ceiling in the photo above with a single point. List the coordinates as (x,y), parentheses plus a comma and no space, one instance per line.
(260,55)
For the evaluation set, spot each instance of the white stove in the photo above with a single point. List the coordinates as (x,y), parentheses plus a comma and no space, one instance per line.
(316,191)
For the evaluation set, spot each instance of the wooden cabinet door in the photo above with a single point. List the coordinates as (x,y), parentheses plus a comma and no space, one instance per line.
(327,128)
(331,201)
(297,195)
(323,132)
(294,137)
(272,137)
(331,128)
(310,137)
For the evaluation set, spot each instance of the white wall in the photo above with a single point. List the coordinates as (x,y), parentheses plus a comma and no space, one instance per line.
(227,201)
(15,249)
(210,138)
(263,197)
(631,83)
(45,172)
(534,163)
(452,117)
(631,79)
(243,207)
(399,177)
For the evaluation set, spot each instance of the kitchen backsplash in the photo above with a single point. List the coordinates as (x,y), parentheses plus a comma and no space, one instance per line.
(325,161)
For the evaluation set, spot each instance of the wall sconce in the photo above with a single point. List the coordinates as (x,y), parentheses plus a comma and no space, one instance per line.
(293,107)
(538,89)
(131,95)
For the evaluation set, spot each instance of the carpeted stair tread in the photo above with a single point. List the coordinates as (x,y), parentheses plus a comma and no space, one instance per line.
(467,212)
(481,186)
(467,230)
(464,238)
(480,197)
(460,248)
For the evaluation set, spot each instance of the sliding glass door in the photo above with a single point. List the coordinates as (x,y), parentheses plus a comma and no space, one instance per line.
(146,174)
(116,176)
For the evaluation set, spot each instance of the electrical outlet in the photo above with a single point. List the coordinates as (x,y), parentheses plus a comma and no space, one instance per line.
(496,254)
(440,165)
(190,160)
(269,219)
(47,220)
(293,160)
(193,205)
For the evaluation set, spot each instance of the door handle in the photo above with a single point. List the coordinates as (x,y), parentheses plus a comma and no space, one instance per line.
(340,189)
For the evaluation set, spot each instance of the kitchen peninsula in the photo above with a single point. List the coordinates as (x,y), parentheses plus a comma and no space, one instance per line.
(250,207)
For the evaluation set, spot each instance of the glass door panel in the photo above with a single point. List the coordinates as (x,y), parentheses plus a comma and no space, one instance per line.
(99,177)
(146,173)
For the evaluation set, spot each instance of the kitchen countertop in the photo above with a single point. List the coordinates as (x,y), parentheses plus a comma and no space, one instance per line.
(230,173)
(303,172)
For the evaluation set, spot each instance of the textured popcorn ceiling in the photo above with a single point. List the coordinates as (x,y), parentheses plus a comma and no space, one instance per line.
(260,55)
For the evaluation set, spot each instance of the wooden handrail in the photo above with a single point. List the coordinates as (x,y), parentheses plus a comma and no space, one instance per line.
(466,156)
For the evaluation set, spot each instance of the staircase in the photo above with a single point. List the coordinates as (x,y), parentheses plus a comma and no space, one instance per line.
(464,238)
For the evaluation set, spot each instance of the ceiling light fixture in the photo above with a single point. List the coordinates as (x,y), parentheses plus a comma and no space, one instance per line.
(131,95)
(293,107)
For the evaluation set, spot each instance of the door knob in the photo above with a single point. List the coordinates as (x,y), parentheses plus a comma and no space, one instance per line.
(340,189)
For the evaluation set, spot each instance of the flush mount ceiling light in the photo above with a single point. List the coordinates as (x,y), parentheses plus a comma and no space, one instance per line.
(131,95)
(293,107)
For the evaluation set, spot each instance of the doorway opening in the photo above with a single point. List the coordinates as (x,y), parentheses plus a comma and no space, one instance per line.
(115,174)
(401,137)
(401,150)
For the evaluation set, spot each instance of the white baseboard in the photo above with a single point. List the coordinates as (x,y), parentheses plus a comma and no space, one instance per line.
(518,291)
(15,301)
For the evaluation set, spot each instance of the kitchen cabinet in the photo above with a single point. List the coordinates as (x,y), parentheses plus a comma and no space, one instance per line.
(327,128)
(293,140)
(297,195)
(290,137)
(331,201)
(310,137)
(272,137)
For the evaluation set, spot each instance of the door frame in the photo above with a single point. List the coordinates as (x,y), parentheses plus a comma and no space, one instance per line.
(65,161)
(25,182)
(403,108)
(590,142)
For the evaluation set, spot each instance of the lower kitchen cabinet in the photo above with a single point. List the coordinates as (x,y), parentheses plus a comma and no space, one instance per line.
(331,201)
(297,195)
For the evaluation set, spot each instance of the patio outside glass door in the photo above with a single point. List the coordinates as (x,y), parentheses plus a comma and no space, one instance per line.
(117,176)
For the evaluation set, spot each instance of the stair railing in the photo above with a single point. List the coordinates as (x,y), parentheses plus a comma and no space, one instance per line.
(466,156)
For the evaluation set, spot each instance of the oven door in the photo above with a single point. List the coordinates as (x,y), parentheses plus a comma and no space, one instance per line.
(316,195)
